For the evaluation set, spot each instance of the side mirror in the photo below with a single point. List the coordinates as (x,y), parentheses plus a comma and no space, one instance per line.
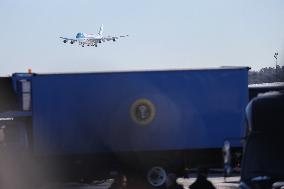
(227,158)
(278,185)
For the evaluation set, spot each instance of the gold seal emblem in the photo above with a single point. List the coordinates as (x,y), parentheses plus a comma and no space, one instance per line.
(142,111)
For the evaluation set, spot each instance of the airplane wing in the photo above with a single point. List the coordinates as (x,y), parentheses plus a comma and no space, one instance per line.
(114,38)
(65,40)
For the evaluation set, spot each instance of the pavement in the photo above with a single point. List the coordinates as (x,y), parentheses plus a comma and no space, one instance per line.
(217,180)
(139,183)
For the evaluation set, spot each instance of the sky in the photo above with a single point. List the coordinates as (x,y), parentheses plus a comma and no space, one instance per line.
(163,34)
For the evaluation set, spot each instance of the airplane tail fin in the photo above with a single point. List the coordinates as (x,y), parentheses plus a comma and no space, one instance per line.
(101,30)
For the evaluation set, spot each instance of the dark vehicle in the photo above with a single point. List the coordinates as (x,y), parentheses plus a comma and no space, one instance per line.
(232,160)
(262,164)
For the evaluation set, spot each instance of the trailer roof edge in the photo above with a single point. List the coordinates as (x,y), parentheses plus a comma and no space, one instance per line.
(141,70)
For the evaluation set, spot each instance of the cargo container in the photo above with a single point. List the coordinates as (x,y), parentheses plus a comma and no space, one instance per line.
(155,120)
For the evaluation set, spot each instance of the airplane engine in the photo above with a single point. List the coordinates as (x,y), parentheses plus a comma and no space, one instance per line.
(113,39)
(71,42)
(100,41)
(64,41)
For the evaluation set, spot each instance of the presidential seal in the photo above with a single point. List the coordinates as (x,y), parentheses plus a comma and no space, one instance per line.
(142,111)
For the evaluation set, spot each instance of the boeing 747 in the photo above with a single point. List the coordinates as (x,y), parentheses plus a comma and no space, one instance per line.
(91,39)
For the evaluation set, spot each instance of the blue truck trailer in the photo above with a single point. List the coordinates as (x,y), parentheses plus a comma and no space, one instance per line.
(157,120)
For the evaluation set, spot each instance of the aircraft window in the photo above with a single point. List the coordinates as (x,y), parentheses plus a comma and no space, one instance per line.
(78,35)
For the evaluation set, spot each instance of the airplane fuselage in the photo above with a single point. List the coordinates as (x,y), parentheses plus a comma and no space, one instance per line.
(91,39)
(88,39)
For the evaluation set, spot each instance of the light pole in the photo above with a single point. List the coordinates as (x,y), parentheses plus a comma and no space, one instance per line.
(276,57)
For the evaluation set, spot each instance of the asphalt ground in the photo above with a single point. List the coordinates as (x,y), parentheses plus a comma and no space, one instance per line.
(20,172)
(135,182)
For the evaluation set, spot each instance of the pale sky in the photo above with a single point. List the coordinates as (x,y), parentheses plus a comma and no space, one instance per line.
(162,34)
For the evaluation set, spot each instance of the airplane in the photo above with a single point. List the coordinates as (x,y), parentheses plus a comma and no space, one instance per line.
(91,39)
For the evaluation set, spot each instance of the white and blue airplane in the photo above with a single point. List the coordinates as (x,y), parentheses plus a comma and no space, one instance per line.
(91,39)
